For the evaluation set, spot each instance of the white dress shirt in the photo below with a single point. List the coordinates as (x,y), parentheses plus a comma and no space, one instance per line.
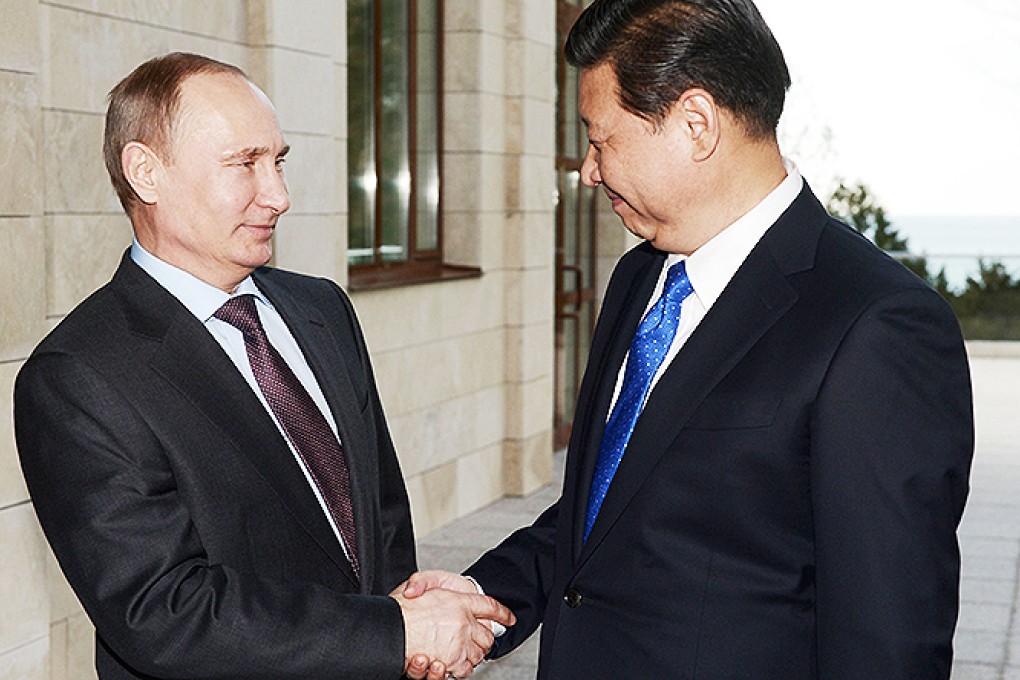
(711,266)
(203,300)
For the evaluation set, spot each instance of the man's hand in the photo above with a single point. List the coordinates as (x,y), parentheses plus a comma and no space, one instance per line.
(423,581)
(420,668)
(445,627)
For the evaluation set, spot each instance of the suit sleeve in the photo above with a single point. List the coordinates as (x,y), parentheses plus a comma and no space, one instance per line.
(107,500)
(891,446)
(519,573)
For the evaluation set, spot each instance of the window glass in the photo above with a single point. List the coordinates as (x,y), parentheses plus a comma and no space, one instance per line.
(394,109)
(427,107)
(361,170)
(394,137)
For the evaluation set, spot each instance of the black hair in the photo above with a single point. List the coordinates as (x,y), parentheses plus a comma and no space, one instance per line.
(661,48)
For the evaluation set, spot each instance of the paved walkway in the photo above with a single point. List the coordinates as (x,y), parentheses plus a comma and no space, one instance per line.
(988,635)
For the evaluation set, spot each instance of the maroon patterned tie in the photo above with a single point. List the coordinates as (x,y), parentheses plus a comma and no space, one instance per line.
(301,419)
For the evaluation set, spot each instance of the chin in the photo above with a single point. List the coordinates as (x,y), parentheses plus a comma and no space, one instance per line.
(258,258)
(641,232)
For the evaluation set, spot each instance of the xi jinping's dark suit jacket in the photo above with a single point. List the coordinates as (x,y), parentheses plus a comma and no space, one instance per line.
(787,505)
(176,509)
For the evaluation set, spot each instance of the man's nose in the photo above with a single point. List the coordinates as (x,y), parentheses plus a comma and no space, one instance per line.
(590,175)
(273,192)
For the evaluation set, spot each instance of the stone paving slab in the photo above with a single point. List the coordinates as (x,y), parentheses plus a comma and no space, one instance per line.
(987,644)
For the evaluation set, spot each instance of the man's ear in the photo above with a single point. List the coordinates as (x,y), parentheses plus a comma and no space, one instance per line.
(142,166)
(700,117)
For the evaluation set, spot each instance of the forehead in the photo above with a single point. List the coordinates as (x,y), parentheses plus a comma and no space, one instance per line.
(225,105)
(598,97)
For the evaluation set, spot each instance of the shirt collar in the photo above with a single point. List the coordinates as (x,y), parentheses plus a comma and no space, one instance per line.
(711,266)
(199,297)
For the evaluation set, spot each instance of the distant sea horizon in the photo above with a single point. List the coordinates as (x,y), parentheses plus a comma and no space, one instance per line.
(957,243)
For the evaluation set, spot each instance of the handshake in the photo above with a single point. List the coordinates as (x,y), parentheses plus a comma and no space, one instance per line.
(448,624)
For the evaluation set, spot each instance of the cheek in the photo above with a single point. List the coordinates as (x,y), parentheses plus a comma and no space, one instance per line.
(609,172)
(227,190)
(234,193)
(629,168)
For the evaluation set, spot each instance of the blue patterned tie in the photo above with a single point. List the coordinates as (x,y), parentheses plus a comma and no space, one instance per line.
(651,342)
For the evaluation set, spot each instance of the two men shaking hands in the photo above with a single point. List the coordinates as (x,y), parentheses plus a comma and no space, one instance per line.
(769,458)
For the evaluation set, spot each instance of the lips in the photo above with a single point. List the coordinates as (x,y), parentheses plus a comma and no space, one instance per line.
(614,198)
(261,229)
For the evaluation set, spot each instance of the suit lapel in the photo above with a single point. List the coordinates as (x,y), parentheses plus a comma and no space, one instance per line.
(618,323)
(755,299)
(329,366)
(191,361)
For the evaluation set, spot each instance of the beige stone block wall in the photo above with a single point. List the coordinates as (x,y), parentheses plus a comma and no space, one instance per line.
(301,61)
(312,176)
(24,606)
(21,199)
(89,46)
(29,662)
(307,243)
(25,616)
(12,485)
(22,292)
(529,375)
(72,637)
(19,132)
(613,240)
(20,49)
(82,252)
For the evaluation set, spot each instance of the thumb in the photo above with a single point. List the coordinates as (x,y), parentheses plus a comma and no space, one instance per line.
(420,582)
(485,607)
(423,581)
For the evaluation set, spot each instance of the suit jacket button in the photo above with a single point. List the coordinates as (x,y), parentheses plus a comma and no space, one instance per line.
(572,598)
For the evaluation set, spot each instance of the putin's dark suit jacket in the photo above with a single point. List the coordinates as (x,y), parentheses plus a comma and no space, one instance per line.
(788,502)
(176,509)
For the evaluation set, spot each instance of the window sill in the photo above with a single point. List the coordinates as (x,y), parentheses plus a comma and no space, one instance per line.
(379,278)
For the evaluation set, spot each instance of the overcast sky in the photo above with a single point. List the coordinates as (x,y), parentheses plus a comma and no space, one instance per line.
(919,99)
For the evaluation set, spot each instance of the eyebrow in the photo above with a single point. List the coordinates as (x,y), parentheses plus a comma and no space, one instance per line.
(253,152)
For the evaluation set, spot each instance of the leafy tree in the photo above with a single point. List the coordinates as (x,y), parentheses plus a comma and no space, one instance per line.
(862,212)
(988,307)
(940,283)
(993,277)
(994,292)
(858,208)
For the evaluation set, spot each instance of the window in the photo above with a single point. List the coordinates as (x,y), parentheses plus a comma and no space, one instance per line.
(576,245)
(393,157)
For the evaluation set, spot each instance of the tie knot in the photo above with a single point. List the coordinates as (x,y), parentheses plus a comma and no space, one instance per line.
(240,313)
(677,286)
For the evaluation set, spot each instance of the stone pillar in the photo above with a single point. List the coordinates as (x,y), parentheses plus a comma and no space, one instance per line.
(529,242)
(24,602)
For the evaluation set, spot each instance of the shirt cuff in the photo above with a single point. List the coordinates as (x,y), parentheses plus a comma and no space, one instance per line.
(498,629)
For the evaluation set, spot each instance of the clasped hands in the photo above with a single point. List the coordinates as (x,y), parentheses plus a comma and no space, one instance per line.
(447,629)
